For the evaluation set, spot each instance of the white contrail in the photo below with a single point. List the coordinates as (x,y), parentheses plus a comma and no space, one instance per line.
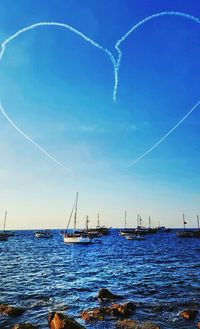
(68,27)
(134,27)
(118,62)
(31,140)
(165,136)
(31,27)
(115,62)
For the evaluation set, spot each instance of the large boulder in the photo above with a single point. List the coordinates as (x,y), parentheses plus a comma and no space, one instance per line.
(61,321)
(105,294)
(11,310)
(24,326)
(189,314)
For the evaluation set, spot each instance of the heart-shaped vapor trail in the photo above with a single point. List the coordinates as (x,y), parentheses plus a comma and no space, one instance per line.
(116,66)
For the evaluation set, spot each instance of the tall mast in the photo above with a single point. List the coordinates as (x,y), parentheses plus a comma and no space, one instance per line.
(4,225)
(184,222)
(125,220)
(75,214)
(198,221)
(87,222)
(98,221)
(138,220)
(149,222)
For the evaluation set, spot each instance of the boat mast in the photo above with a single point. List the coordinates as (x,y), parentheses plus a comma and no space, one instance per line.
(198,221)
(140,221)
(86,223)
(98,221)
(125,220)
(184,222)
(149,222)
(75,214)
(4,225)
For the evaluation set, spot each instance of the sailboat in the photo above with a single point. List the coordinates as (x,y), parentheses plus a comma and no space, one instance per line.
(189,233)
(3,234)
(126,230)
(75,236)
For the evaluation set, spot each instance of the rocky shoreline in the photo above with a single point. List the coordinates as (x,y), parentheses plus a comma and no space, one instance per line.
(109,308)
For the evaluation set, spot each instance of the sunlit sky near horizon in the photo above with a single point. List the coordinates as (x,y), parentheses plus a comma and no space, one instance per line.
(58,89)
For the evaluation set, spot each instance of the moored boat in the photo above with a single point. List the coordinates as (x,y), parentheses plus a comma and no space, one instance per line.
(126,231)
(43,234)
(134,237)
(189,233)
(3,235)
(75,236)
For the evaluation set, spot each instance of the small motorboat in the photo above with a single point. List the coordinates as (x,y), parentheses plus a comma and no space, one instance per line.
(43,234)
(134,237)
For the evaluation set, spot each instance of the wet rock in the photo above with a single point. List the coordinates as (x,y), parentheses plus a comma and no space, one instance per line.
(99,314)
(11,310)
(24,326)
(148,325)
(106,294)
(123,310)
(95,314)
(132,324)
(61,321)
(127,324)
(189,314)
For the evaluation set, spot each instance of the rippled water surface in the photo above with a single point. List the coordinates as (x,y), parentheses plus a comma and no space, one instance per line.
(161,275)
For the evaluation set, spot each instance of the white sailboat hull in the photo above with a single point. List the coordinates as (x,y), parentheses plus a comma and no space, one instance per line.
(77,239)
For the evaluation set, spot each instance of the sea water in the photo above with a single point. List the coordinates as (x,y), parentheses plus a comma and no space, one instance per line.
(160,274)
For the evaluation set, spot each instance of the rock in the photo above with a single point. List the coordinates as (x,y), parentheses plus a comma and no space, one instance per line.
(132,324)
(95,314)
(106,294)
(11,310)
(127,324)
(61,321)
(98,314)
(189,314)
(123,310)
(24,326)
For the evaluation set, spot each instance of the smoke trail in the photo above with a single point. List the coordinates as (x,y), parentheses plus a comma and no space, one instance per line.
(115,62)
(68,27)
(32,141)
(118,62)
(31,27)
(165,136)
(140,23)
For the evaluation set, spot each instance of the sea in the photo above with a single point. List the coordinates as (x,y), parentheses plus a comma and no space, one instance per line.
(160,274)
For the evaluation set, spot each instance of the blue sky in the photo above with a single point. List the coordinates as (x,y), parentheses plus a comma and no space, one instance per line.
(58,89)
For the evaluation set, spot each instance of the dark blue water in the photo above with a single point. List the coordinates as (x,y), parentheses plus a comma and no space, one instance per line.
(160,274)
